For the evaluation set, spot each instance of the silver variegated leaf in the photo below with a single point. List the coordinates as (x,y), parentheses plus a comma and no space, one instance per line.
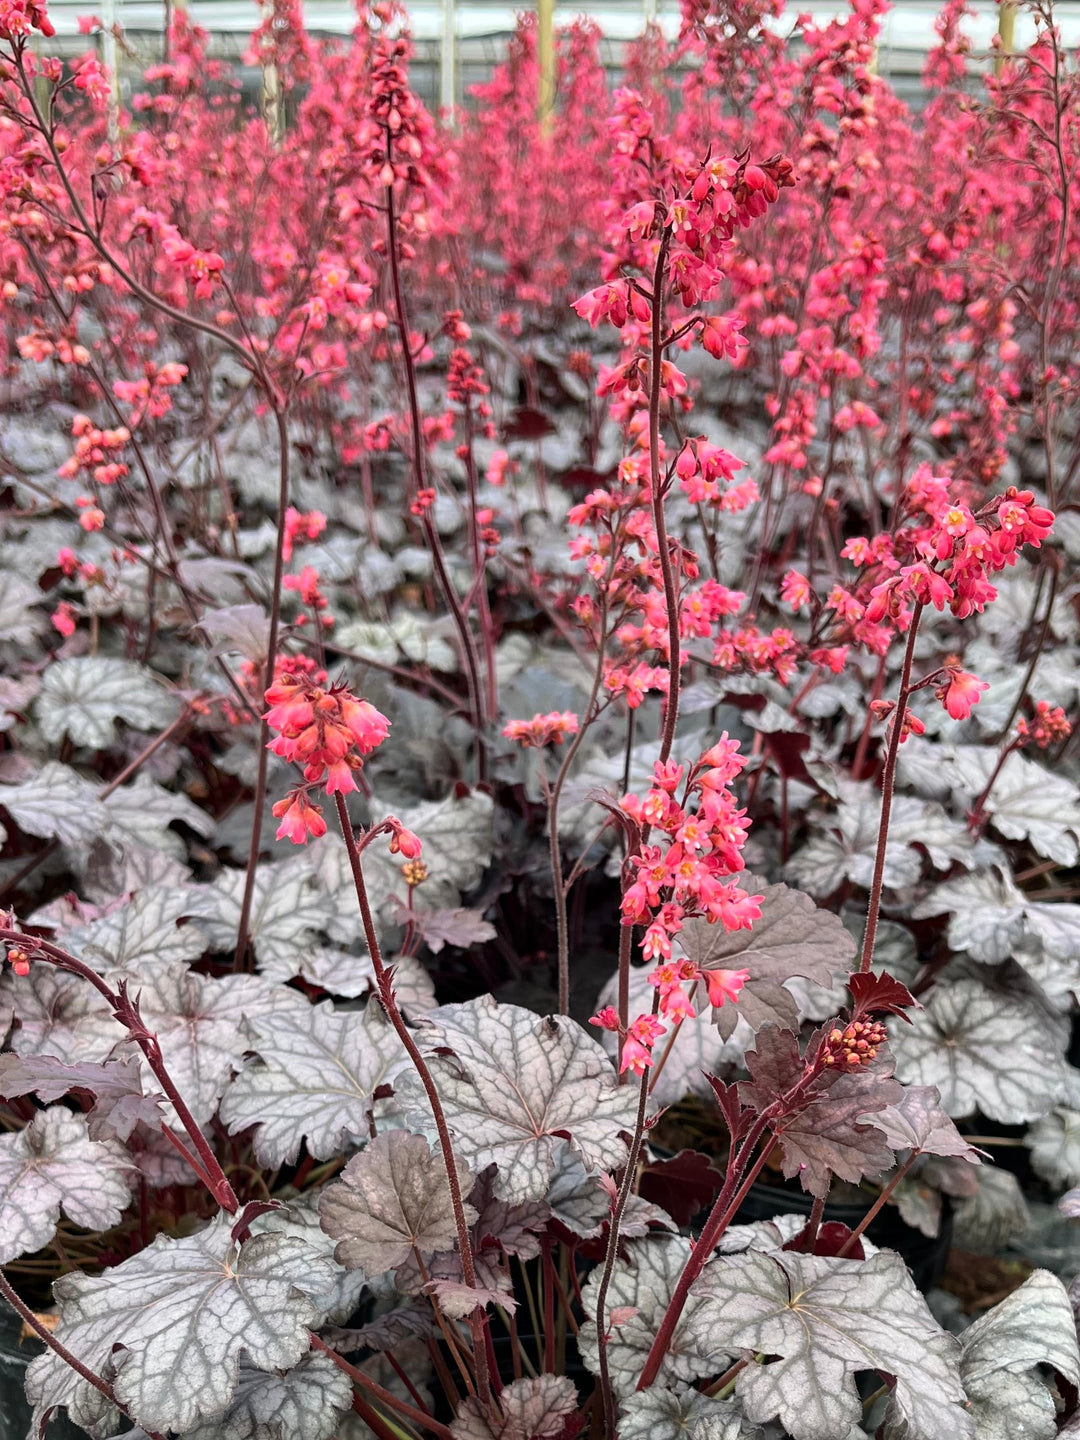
(56,804)
(993,1215)
(168,1327)
(1002,1352)
(515,1083)
(304,1403)
(140,815)
(312,1081)
(986,914)
(393,1198)
(641,1287)
(140,934)
(682,1414)
(199,1021)
(818,1322)
(85,696)
(983,1050)
(286,910)
(53,1166)
(299,1218)
(536,1408)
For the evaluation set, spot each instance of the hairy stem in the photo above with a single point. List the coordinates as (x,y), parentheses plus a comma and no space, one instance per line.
(255,844)
(126,1011)
(611,1254)
(385,981)
(888,781)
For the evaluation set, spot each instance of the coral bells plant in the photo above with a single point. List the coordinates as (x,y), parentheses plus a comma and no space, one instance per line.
(633,552)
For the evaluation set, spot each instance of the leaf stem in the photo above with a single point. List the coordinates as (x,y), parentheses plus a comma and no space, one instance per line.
(126,1011)
(377,1392)
(882,1199)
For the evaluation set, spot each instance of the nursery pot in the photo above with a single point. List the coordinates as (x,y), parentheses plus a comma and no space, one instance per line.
(924,1255)
(15,1356)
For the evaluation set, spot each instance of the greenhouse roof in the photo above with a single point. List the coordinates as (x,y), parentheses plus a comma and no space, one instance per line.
(907,30)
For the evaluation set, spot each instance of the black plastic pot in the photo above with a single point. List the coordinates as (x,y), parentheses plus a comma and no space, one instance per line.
(925,1256)
(14,1358)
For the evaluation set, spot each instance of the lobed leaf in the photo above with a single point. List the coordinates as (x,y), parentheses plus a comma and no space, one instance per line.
(393,1198)
(819,1322)
(1002,1352)
(537,1408)
(84,697)
(52,1166)
(168,1327)
(313,1080)
(513,1085)
(792,937)
(982,1050)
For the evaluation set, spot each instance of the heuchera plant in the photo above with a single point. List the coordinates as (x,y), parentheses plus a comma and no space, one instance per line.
(539,669)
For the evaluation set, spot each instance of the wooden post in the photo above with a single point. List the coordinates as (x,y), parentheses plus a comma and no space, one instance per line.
(1006,33)
(448,61)
(109,62)
(545,54)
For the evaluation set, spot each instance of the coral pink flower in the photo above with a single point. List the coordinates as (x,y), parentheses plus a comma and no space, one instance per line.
(961,692)
(299,818)
(724,985)
(542,730)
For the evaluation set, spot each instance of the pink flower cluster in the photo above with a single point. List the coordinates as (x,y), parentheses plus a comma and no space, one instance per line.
(326,731)
(301,527)
(96,452)
(1047,727)
(683,877)
(541,730)
(968,546)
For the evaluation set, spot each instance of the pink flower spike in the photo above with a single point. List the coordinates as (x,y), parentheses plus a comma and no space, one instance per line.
(606,1019)
(724,985)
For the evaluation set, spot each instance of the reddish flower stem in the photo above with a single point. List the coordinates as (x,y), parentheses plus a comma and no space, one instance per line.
(431,535)
(882,1199)
(888,781)
(377,1391)
(242,934)
(126,1012)
(384,979)
(553,797)
(628,1178)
